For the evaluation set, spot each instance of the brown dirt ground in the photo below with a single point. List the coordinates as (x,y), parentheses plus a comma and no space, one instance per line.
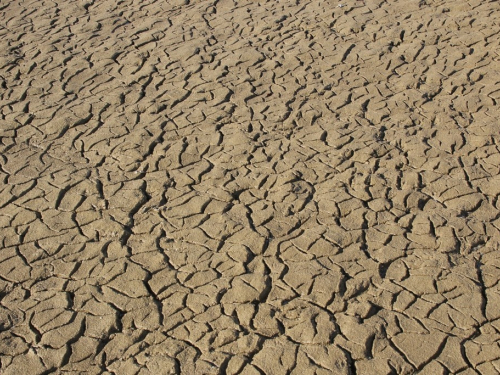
(249,187)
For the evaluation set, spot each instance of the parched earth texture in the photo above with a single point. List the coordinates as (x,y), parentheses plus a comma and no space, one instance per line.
(249,187)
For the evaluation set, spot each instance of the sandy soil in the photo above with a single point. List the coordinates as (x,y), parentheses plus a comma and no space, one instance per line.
(249,187)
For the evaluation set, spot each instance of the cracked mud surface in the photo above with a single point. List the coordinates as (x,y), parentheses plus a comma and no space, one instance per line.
(243,187)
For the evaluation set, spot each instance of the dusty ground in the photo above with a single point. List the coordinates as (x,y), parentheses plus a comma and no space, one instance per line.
(250,187)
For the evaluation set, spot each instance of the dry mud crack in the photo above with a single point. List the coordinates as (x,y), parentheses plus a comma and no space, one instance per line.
(249,187)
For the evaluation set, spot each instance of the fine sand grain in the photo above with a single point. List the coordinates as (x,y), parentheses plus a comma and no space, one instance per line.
(249,187)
